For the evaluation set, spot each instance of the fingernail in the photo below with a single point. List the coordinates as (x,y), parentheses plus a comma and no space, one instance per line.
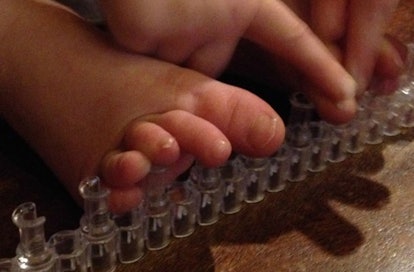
(356,85)
(348,105)
(349,88)
(262,131)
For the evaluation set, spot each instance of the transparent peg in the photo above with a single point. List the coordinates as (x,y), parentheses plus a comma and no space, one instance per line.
(258,172)
(298,140)
(97,227)
(185,200)
(357,132)
(374,116)
(320,141)
(409,63)
(392,115)
(338,143)
(158,219)
(33,253)
(131,245)
(208,183)
(302,111)
(72,250)
(233,175)
(405,95)
(279,168)
(407,109)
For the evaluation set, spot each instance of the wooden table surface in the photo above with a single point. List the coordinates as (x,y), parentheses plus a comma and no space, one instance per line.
(357,215)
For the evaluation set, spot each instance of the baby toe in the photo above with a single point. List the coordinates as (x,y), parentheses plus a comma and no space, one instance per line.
(122,200)
(152,140)
(124,169)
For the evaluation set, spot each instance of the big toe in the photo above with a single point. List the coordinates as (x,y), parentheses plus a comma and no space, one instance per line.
(251,124)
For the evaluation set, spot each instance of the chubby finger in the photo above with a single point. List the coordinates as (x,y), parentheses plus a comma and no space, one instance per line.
(280,31)
(330,111)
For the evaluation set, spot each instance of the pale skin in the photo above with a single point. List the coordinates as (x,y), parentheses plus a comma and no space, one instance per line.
(203,35)
(88,107)
(354,31)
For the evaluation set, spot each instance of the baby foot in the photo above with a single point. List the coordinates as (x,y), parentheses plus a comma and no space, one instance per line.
(89,109)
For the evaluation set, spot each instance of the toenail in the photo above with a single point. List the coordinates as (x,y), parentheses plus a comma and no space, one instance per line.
(157,169)
(222,148)
(262,131)
(349,88)
(348,105)
(169,142)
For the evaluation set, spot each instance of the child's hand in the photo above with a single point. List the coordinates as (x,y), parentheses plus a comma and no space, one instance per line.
(202,35)
(354,30)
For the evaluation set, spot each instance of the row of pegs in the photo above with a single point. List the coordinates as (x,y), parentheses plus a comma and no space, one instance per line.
(312,144)
(104,238)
